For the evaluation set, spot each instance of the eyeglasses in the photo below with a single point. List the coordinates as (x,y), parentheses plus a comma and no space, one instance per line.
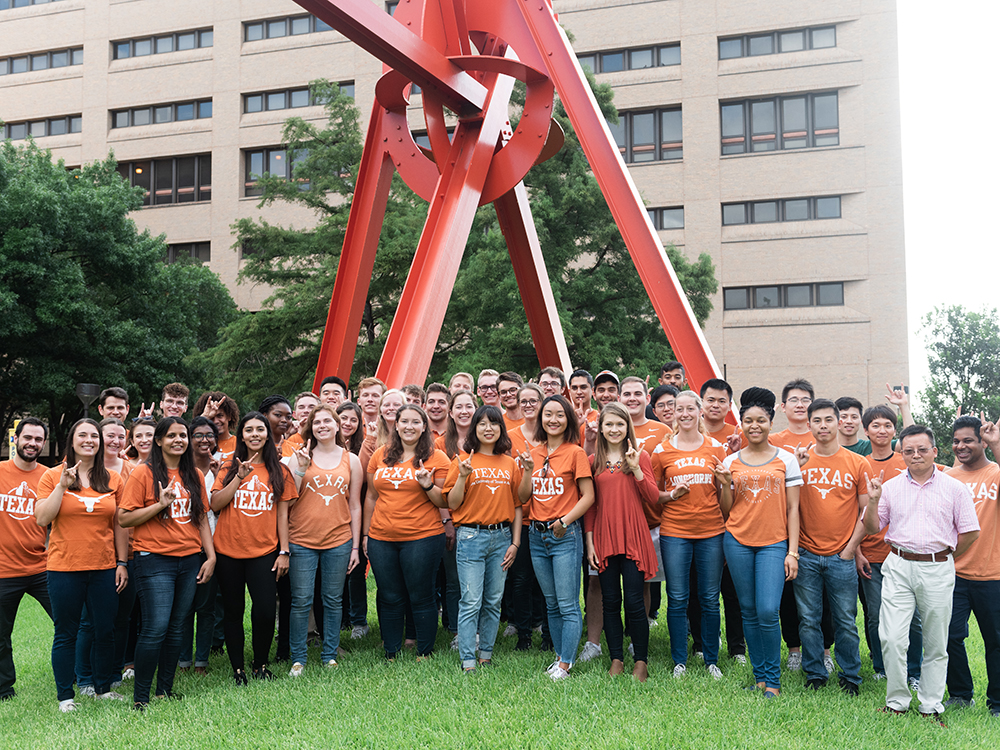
(487,388)
(202,436)
(910,452)
(529,402)
(549,384)
(508,391)
(796,400)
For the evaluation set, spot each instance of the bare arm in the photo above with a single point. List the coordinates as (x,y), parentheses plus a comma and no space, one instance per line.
(792,512)
(965,541)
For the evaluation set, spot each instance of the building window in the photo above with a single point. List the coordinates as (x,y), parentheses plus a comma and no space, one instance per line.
(6,4)
(827,294)
(273,161)
(789,209)
(667,218)
(632,59)
(288,99)
(776,42)
(200,252)
(17,131)
(159,45)
(782,122)
(41,61)
(278,27)
(183,179)
(649,136)
(161,113)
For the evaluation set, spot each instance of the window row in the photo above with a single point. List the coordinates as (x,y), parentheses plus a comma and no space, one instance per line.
(288,99)
(274,161)
(667,218)
(830,294)
(789,209)
(632,59)
(775,42)
(18,131)
(200,252)
(159,45)
(279,27)
(5,4)
(781,122)
(179,112)
(649,136)
(184,179)
(41,61)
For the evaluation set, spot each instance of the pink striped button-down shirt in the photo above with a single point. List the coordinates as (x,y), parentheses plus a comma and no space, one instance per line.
(926,518)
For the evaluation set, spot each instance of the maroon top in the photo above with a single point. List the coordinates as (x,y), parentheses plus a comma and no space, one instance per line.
(616,517)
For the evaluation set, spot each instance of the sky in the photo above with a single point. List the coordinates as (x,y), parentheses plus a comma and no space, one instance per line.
(951,165)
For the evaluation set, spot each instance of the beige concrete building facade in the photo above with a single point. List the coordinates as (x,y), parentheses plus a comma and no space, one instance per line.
(763,132)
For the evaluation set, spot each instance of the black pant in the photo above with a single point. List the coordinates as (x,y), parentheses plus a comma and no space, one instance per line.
(284,613)
(525,611)
(256,576)
(790,619)
(981,598)
(356,595)
(735,642)
(11,592)
(622,574)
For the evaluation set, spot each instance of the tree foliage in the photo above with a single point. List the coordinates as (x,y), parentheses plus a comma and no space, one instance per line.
(85,296)
(963,351)
(607,318)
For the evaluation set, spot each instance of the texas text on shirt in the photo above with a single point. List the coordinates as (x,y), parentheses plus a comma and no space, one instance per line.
(490,490)
(759,516)
(176,536)
(22,541)
(82,535)
(829,500)
(982,561)
(321,517)
(248,526)
(696,515)
(554,490)
(403,512)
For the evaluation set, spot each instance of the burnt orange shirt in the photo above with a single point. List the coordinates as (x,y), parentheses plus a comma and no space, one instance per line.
(403,511)
(759,516)
(649,436)
(83,534)
(226,448)
(321,517)
(554,490)
(874,546)
(723,436)
(981,562)
(248,526)
(176,535)
(512,423)
(292,443)
(519,444)
(829,506)
(22,541)
(490,490)
(789,441)
(697,514)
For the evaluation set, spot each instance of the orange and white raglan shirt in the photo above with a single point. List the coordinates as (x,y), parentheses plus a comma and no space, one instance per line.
(22,541)
(981,562)
(759,516)
(829,506)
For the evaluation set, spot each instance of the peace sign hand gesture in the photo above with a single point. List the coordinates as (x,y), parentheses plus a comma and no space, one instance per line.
(166,496)
(802,454)
(69,475)
(632,460)
(424,477)
(303,456)
(527,462)
(465,466)
(245,467)
(875,487)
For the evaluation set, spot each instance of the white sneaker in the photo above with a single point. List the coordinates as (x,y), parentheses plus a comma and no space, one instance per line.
(700,655)
(680,670)
(331,664)
(589,651)
(509,631)
(878,676)
(116,684)
(651,621)
(713,669)
(828,664)
(128,674)
(87,690)
(297,669)
(914,683)
(741,658)
(558,673)
(110,696)
(795,661)
(68,705)
(454,643)
(631,650)
(360,631)
(552,666)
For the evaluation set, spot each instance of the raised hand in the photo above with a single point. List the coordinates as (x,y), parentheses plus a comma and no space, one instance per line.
(724,475)
(989,431)
(246,467)
(145,413)
(212,408)
(465,466)
(875,486)
(802,454)
(69,475)
(734,442)
(166,496)
(303,456)
(371,429)
(213,466)
(424,477)
(897,397)
(590,432)
(527,462)
(632,459)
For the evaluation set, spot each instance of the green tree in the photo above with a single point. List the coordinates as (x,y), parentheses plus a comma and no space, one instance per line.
(85,296)
(963,351)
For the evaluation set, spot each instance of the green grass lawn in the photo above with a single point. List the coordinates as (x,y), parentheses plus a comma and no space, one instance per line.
(368,703)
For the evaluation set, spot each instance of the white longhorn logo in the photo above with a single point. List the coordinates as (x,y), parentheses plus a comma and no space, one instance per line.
(823,493)
(90,502)
(492,488)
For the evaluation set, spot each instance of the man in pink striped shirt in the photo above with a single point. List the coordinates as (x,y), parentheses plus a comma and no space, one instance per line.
(931,520)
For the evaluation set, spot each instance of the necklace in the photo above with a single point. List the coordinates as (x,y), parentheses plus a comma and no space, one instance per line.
(612,468)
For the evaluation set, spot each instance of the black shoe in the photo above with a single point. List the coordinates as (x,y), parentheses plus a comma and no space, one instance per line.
(7,696)
(262,673)
(282,657)
(172,695)
(816,684)
(140,706)
(849,687)
(240,677)
(218,650)
(546,645)
(523,644)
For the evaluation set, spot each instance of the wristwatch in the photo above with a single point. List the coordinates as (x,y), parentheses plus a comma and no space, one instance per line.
(562,523)
(284,553)
(793,554)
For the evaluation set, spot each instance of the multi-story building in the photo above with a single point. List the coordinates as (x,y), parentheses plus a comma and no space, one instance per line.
(763,132)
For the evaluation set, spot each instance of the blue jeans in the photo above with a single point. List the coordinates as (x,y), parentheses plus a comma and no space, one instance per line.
(166,587)
(983,599)
(479,558)
(557,567)
(678,555)
(873,595)
(332,564)
(85,638)
(839,578)
(68,592)
(406,569)
(759,577)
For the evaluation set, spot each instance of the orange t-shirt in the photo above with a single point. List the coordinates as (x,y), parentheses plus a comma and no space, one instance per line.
(490,490)
(518,443)
(759,513)
(556,493)
(874,547)
(226,448)
(321,517)
(292,443)
(83,534)
(248,525)
(789,441)
(649,436)
(22,541)
(512,423)
(828,502)
(403,512)
(981,562)
(723,436)
(696,515)
(592,416)
(175,536)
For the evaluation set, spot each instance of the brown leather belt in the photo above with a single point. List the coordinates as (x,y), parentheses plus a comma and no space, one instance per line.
(913,556)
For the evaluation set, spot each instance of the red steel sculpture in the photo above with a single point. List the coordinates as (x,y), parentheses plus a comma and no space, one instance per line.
(434,44)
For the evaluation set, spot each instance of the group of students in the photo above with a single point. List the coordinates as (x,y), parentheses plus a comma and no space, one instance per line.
(293,501)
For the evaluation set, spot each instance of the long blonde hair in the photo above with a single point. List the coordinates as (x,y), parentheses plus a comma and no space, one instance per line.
(384,435)
(601,450)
